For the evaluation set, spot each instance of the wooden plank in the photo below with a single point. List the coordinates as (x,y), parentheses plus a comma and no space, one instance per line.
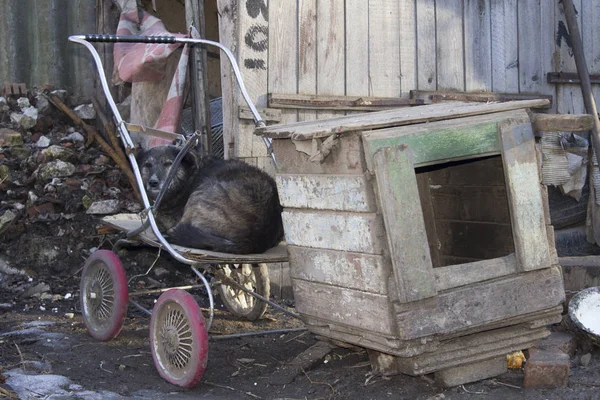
(404,224)
(357,48)
(429,97)
(356,232)
(308,130)
(475,240)
(426,45)
(563,123)
(408,46)
(590,34)
(326,192)
(423,184)
(322,102)
(441,141)
(471,203)
(330,50)
(384,48)
(351,308)
(476,305)
(465,274)
(525,199)
(548,48)
(307,53)
(346,158)
(267,114)
(301,363)
(505,46)
(357,271)
(485,171)
(478,45)
(450,49)
(529,27)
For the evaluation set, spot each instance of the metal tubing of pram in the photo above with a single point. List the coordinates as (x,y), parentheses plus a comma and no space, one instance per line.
(258,121)
(226,280)
(210,296)
(139,306)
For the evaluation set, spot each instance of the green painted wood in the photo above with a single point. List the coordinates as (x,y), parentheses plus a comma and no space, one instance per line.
(404,223)
(440,144)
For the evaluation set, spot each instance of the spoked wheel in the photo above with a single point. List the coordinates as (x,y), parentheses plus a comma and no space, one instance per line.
(104,296)
(178,338)
(254,277)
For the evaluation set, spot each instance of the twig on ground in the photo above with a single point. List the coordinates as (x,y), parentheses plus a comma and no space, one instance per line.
(318,383)
(497,382)
(468,391)
(231,388)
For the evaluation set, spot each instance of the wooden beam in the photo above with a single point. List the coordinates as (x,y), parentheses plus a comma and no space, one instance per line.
(563,122)
(428,97)
(322,102)
(267,114)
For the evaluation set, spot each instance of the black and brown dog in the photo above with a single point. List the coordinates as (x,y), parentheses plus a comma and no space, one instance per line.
(213,204)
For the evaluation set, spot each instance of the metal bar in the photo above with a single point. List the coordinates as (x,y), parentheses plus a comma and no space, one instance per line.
(210,296)
(161,290)
(245,334)
(569,77)
(140,307)
(231,282)
(582,70)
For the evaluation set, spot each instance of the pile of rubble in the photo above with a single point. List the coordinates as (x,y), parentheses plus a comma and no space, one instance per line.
(54,187)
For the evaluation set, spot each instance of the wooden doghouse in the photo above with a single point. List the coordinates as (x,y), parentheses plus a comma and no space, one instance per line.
(421,234)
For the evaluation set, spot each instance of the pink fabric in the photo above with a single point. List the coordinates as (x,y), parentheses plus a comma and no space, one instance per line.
(140,62)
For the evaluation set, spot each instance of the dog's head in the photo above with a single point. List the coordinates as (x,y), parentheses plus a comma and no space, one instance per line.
(155,164)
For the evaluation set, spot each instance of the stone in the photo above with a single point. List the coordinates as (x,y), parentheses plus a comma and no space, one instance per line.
(4,173)
(585,359)
(23,102)
(42,104)
(55,169)
(561,341)
(3,101)
(74,137)
(104,207)
(42,142)
(10,138)
(85,111)
(26,119)
(546,369)
(55,152)
(471,372)
(6,218)
(36,290)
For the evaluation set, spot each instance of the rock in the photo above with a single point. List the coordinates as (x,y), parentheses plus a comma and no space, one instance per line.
(585,359)
(42,104)
(10,138)
(4,173)
(562,341)
(42,142)
(6,218)
(6,269)
(74,137)
(55,169)
(27,119)
(104,207)
(546,369)
(3,102)
(85,111)
(36,290)
(23,102)
(55,152)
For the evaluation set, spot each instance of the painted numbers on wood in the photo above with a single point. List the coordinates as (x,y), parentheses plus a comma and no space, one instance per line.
(256,36)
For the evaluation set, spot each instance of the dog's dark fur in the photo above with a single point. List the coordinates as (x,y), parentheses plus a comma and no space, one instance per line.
(213,204)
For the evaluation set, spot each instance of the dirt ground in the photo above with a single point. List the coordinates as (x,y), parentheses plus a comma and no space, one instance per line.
(47,338)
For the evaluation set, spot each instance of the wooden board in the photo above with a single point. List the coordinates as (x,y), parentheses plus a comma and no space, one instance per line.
(478,46)
(426,49)
(471,203)
(324,102)
(366,272)
(466,274)
(563,123)
(450,49)
(434,96)
(326,192)
(384,47)
(307,54)
(477,305)
(129,222)
(408,42)
(352,308)
(355,232)
(441,141)
(525,198)
(477,240)
(357,47)
(505,47)
(357,122)
(405,228)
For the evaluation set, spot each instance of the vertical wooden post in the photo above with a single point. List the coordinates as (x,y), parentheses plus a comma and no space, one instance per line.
(194,16)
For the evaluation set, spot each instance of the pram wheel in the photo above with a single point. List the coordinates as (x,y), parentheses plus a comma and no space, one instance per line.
(254,277)
(178,338)
(104,296)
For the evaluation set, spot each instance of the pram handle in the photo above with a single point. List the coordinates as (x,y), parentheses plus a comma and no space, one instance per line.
(129,39)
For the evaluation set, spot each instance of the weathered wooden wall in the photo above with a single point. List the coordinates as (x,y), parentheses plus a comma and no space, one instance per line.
(389,47)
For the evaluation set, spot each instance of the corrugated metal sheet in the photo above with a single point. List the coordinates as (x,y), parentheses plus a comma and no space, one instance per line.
(34,46)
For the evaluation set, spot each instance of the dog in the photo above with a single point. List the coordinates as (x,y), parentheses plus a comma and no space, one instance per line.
(213,204)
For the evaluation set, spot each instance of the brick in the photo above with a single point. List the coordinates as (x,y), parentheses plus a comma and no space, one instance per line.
(546,369)
(561,341)
(471,372)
